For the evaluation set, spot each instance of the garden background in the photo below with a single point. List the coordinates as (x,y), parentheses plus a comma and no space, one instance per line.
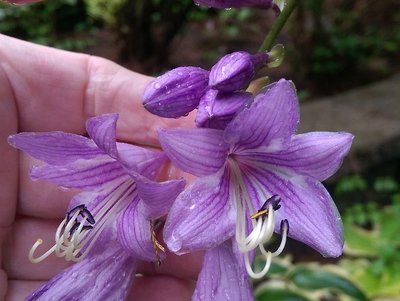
(344,59)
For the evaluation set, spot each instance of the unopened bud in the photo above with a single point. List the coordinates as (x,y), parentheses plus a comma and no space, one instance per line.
(234,71)
(177,92)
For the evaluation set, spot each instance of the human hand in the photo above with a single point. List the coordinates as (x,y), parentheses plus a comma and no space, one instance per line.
(44,89)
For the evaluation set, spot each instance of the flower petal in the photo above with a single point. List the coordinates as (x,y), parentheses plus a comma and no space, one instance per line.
(217,109)
(141,160)
(102,130)
(272,118)
(196,151)
(312,215)
(102,276)
(222,278)
(157,197)
(82,174)
(56,148)
(201,217)
(315,154)
(134,232)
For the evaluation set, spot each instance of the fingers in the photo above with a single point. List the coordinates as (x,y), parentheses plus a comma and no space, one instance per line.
(41,198)
(17,245)
(161,288)
(20,289)
(144,289)
(59,90)
(9,156)
(27,230)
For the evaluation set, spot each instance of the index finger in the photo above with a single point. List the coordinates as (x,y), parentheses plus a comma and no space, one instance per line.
(60,90)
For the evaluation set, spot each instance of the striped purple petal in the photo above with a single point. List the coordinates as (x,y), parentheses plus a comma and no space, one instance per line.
(271,119)
(82,174)
(133,232)
(56,148)
(201,217)
(102,129)
(312,215)
(107,275)
(196,151)
(222,278)
(157,198)
(217,109)
(140,160)
(315,154)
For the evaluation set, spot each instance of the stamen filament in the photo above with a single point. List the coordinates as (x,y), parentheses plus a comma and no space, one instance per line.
(262,222)
(73,235)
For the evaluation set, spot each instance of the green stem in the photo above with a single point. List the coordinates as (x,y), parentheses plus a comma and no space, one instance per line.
(277,26)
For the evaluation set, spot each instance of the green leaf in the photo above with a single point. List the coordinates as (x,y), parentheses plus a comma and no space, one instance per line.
(360,242)
(275,294)
(311,279)
(276,268)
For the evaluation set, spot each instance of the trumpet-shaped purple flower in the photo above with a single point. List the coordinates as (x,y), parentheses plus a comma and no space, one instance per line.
(117,207)
(257,157)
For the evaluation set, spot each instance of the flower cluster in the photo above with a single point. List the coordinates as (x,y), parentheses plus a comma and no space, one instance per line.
(254,177)
(217,94)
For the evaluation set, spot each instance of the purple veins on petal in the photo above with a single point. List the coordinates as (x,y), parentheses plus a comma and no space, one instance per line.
(57,148)
(104,275)
(217,109)
(177,92)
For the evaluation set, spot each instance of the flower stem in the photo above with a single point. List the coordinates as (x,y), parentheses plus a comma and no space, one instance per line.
(277,26)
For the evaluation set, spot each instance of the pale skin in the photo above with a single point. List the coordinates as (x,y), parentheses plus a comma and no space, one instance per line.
(44,89)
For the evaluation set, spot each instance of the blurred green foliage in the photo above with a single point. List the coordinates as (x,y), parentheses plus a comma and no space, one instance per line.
(306,282)
(344,41)
(145,28)
(373,241)
(48,23)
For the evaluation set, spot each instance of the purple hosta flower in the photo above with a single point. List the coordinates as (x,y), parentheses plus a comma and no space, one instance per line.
(255,177)
(234,71)
(237,3)
(119,204)
(177,92)
(217,109)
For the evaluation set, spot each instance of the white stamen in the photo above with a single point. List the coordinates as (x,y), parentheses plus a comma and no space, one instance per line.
(69,241)
(284,234)
(263,223)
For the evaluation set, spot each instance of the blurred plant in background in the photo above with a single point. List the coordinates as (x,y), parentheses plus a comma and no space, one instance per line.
(145,28)
(344,40)
(52,23)
(373,243)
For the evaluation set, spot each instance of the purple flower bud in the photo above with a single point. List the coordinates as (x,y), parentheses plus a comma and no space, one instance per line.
(235,71)
(235,3)
(217,109)
(177,92)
